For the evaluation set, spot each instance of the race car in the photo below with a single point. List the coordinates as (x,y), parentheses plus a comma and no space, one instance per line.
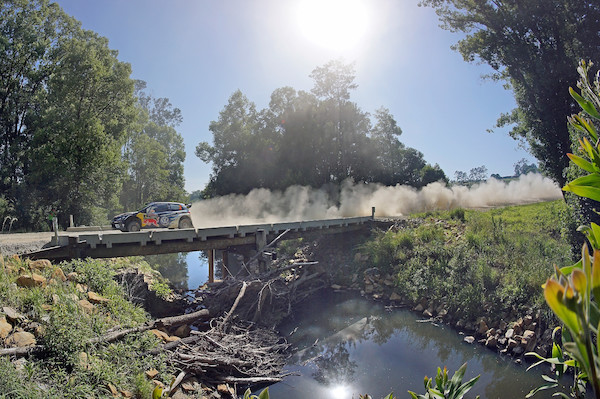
(154,215)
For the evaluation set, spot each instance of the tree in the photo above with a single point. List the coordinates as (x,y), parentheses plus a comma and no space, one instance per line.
(461,176)
(533,46)
(431,174)
(154,152)
(79,128)
(478,173)
(522,167)
(29,33)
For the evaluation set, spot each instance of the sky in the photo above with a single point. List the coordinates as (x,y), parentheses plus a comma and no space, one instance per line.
(198,52)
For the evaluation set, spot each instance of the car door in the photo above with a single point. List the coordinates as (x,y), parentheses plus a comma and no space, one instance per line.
(164,215)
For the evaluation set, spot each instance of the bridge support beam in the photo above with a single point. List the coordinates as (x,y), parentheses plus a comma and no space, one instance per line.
(261,242)
(211,265)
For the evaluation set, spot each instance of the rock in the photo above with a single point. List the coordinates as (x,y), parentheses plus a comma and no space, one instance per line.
(5,327)
(527,320)
(21,339)
(95,298)
(509,333)
(113,389)
(188,387)
(502,341)
(528,335)
(151,373)
(81,288)
(511,343)
(59,274)
(491,342)
(73,276)
(33,280)
(182,331)
(369,289)
(491,331)
(87,306)
(224,388)
(442,313)
(336,287)
(419,308)
(395,297)
(518,350)
(469,339)
(483,327)
(388,282)
(427,313)
(84,361)
(40,264)
(126,394)
(12,315)
(46,307)
(502,325)
(531,327)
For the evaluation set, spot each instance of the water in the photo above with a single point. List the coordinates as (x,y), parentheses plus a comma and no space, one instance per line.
(184,270)
(362,348)
(346,346)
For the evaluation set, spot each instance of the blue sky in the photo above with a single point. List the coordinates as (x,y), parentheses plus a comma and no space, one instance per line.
(198,52)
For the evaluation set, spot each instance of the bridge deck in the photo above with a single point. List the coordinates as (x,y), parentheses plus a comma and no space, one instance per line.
(114,243)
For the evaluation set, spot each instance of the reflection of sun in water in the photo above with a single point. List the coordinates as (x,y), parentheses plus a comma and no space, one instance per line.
(335,24)
(339,391)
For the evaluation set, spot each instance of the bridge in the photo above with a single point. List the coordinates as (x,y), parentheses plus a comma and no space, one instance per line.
(114,243)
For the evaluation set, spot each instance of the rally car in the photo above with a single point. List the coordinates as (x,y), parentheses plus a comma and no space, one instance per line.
(155,214)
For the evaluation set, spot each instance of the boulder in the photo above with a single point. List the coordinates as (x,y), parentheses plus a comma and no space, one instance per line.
(527,320)
(96,298)
(87,306)
(21,339)
(40,264)
(395,297)
(483,327)
(418,308)
(73,276)
(33,280)
(5,327)
(469,339)
(151,373)
(511,343)
(58,274)
(509,333)
(12,315)
(491,342)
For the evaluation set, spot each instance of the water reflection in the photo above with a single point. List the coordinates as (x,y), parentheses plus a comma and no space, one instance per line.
(357,345)
(185,270)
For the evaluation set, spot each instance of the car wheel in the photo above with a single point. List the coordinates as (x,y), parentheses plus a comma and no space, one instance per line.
(134,225)
(185,223)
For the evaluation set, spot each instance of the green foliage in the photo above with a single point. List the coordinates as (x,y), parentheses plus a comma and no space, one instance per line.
(518,40)
(309,139)
(471,260)
(263,395)
(444,388)
(75,368)
(573,293)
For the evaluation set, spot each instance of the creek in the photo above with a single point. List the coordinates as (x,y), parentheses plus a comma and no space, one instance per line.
(345,345)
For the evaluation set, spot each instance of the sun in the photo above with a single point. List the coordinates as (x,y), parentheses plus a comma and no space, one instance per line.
(334,24)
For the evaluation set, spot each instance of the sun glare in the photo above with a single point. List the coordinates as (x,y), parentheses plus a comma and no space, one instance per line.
(335,24)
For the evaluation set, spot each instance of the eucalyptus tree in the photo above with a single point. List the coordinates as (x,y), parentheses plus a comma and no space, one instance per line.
(533,46)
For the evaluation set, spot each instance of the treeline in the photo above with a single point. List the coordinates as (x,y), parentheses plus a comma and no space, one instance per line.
(78,136)
(309,138)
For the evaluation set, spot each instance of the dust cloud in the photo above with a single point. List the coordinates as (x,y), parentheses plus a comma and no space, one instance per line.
(356,199)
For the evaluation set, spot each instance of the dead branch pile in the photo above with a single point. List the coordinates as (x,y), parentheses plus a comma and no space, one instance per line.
(243,355)
(266,299)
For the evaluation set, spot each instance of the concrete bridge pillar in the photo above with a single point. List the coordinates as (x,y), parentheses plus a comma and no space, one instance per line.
(261,242)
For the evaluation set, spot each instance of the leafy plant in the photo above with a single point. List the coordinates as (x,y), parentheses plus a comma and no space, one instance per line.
(445,388)
(573,293)
(263,395)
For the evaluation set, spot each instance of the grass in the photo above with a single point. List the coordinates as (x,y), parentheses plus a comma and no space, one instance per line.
(476,262)
(73,368)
